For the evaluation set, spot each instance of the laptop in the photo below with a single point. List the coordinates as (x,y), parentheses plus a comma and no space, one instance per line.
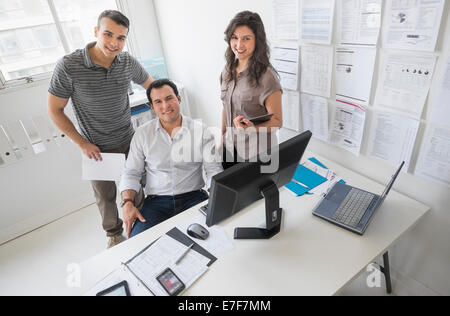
(350,207)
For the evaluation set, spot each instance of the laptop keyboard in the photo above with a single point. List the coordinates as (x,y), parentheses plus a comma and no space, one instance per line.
(353,207)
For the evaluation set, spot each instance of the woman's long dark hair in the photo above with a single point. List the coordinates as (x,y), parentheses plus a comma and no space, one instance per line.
(261,57)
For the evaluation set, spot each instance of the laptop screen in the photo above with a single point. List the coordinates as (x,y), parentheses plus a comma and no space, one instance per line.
(391,183)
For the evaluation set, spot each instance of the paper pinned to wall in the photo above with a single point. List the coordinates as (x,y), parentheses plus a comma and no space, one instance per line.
(317,18)
(405,81)
(359,22)
(316,70)
(354,73)
(440,113)
(285,16)
(286,61)
(392,138)
(315,115)
(413,25)
(434,160)
(291,110)
(347,128)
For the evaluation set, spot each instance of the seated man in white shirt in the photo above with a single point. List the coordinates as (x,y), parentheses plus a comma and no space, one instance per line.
(174,180)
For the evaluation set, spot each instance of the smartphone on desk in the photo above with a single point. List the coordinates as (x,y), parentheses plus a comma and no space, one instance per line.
(260,119)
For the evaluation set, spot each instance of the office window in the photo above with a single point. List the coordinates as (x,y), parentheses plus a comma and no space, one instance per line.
(34,34)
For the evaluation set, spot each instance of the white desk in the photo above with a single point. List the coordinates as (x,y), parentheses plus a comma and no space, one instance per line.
(308,257)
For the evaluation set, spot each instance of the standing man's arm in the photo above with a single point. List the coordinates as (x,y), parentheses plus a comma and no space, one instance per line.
(147,84)
(56,107)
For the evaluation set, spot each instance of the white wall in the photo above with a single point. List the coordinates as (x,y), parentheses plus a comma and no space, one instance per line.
(192,36)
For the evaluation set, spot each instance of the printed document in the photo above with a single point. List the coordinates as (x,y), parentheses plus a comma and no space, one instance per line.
(359,22)
(392,138)
(348,127)
(354,73)
(110,169)
(405,80)
(163,254)
(434,161)
(413,24)
(315,115)
(285,60)
(291,110)
(285,17)
(317,21)
(440,109)
(316,70)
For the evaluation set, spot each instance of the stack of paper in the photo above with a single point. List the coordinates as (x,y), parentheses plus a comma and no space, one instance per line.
(312,177)
(141,271)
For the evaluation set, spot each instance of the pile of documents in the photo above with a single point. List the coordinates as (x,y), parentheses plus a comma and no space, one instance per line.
(312,177)
(142,270)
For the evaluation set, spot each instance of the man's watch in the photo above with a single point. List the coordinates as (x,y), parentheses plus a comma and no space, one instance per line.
(126,201)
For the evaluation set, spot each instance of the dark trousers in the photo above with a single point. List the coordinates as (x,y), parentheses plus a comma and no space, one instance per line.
(158,208)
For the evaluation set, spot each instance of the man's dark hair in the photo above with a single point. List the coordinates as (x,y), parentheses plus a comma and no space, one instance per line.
(116,16)
(157,84)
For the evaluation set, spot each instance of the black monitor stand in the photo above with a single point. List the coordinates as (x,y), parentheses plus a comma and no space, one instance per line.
(273,217)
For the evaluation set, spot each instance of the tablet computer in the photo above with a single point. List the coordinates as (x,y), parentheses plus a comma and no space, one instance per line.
(260,119)
(120,289)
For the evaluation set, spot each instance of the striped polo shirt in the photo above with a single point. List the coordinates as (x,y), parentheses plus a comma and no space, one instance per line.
(99,95)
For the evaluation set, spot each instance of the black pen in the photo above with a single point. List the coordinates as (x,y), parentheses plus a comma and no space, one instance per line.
(184,254)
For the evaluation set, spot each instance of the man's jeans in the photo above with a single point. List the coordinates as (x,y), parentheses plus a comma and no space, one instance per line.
(157,208)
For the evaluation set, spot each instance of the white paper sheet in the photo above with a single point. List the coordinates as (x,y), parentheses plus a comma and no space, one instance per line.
(291,110)
(359,22)
(354,73)
(347,128)
(331,176)
(405,80)
(315,115)
(285,16)
(163,254)
(434,160)
(110,169)
(317,21)
(440,109)
(316,70)
(285,59)
(392,138)
(413,24)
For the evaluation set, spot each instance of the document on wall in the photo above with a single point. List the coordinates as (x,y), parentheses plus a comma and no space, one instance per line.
(316,70)
(291,110)
(434,161)
(440,110)
(286,62)
(109,169)
(354,73)
(285,18)
(359,22)
(392,138)
(413,24)
(347,128)
(405,80)
(315,115)
(317,21)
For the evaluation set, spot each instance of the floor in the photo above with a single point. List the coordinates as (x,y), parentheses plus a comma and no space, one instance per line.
(39,263)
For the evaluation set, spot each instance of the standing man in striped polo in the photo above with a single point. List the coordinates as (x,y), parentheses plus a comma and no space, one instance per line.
(97,78)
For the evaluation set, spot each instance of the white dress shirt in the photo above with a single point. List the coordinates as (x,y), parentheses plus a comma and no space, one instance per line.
(172,166)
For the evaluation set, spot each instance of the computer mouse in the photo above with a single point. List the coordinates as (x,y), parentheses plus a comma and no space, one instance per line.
(198,231)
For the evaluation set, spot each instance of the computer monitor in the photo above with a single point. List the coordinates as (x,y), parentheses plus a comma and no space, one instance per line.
(243,184)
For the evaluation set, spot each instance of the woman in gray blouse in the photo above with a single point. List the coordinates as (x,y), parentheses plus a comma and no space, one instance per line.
(250,86)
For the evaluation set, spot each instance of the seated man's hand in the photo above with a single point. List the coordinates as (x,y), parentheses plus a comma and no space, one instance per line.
(130,213)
